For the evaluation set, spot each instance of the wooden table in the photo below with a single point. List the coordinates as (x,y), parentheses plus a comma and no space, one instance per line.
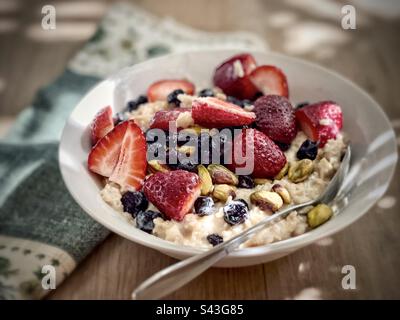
(367,55)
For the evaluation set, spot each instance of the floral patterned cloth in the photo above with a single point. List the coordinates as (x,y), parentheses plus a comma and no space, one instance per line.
(40,223)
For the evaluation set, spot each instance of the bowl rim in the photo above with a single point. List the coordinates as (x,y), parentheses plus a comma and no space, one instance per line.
(286,245)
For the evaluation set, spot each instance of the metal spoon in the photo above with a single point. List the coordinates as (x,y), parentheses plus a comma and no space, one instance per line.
(179,274)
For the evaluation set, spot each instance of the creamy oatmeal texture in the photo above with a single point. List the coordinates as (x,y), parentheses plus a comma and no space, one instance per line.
(193,229)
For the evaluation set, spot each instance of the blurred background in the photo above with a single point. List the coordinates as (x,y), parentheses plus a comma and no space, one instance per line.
(31,58)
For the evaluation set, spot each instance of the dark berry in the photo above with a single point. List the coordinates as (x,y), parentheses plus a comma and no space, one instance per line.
(301,105)
(134,202)
(206,93)
(257,95)
(186,165)
(119,117)
(173,97)
(204,206)
(235,212)
(145,220)
(234,100)
(246,182)
(283,146)
(134,104)
(214,239)
(244,202)
(308,150)
(246,102)
(173,161)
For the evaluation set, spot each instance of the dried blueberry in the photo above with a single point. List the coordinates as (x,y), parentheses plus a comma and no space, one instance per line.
(173,161)
(234,100)
(235,212)
(204,206)
(308,150)
(206,93)
(244,202)
(283,146)
(119,117)
(247,102)
(186,165)
(134,104)
(145,220)
(134,202)
(214,239)
(173,98)
(302,105)
(246,182)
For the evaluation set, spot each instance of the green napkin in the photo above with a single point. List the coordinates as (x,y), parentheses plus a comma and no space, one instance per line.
(44,234)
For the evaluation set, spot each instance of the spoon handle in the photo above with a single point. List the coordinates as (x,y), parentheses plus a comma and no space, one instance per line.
(177,275)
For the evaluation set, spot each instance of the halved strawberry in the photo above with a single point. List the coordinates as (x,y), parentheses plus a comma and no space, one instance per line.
(254,147)
(159,90)
(162,118)
(102,124)
(320,121)
(211,112)
(232,76)
(270,80)
(104,155)
(173,192)
(130,169)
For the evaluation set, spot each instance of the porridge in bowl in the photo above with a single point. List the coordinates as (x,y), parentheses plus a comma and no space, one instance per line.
(198,167)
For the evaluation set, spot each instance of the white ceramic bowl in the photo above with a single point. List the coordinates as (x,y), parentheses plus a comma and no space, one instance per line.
(372,139)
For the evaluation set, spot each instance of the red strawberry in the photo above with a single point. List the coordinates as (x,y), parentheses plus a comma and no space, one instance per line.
(320,121)
(270,80)
(275,117)
(130,170)
(173,193)
(161,89)
(102,124)
(104,155)
(252,144)
(162,118)
(215,113)
(232,76)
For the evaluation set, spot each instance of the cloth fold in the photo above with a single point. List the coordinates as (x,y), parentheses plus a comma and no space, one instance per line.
(40,224)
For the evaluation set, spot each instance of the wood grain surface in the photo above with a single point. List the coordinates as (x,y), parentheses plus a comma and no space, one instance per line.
(368,55)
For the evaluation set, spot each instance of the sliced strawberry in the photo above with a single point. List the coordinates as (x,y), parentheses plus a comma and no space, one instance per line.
(270,80)
(211,112)
(130,170)
(232,76)
(102,124)
(162,118)
(173,193)
(320,121)
(161,89)
(104,155)
(275,117)
(253,145)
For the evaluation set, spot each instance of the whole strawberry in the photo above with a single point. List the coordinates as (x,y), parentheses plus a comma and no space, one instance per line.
(173,192)
(253,145)
(275,117)
(320,121)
